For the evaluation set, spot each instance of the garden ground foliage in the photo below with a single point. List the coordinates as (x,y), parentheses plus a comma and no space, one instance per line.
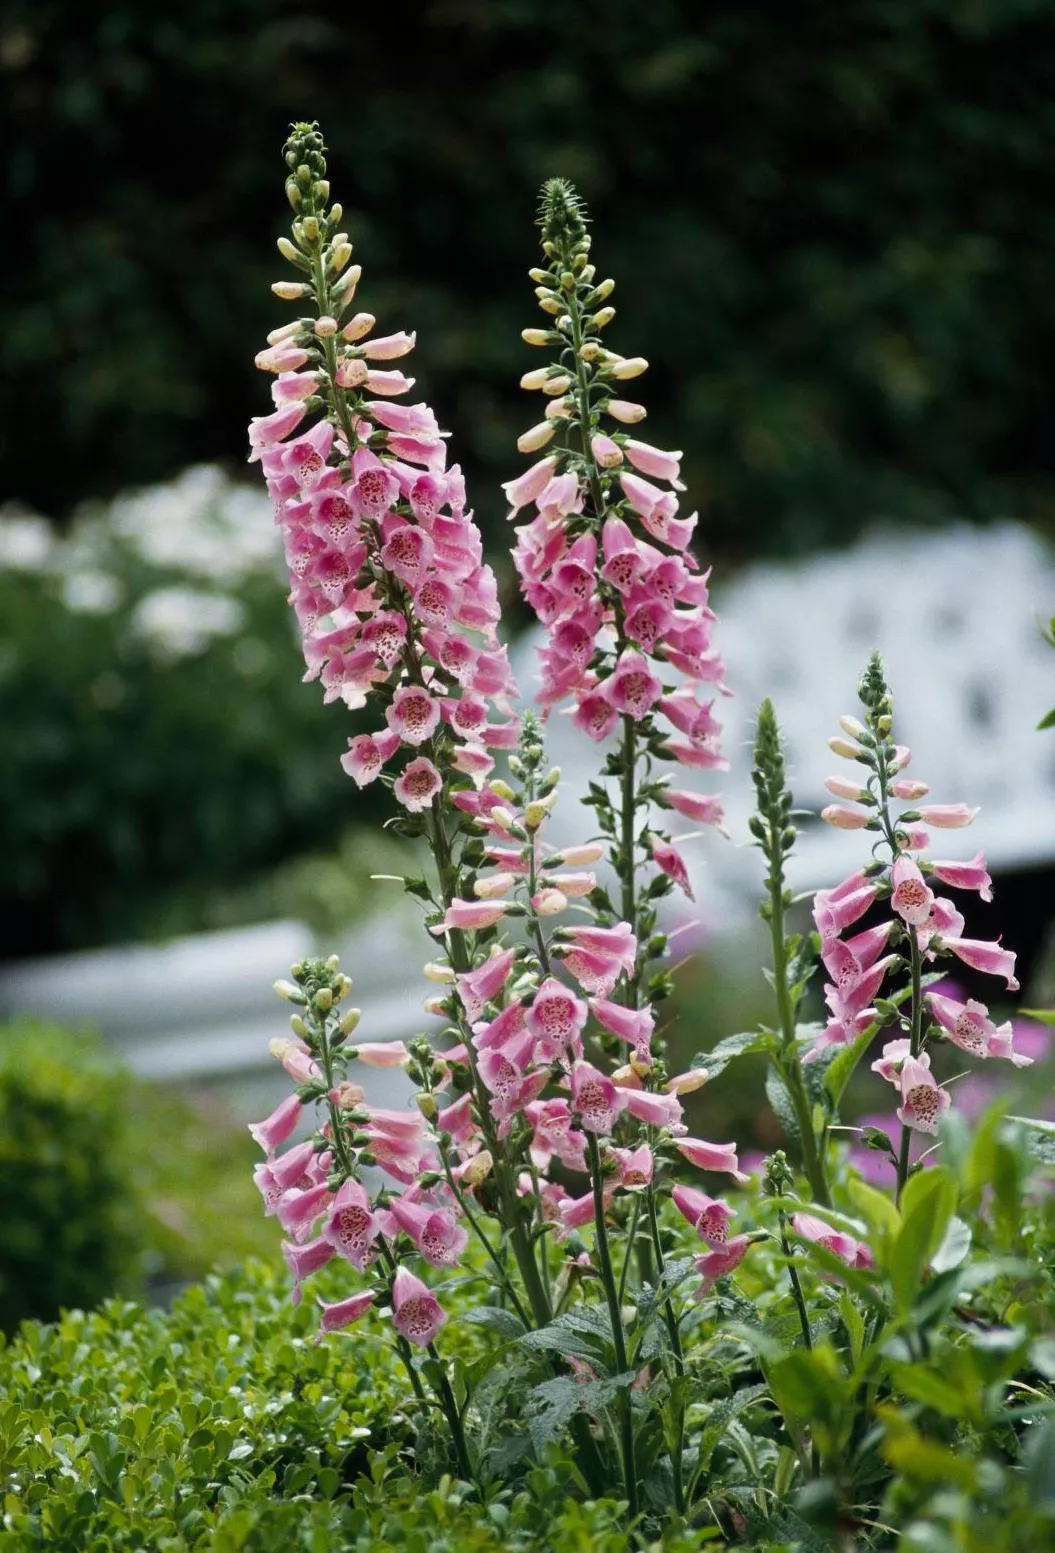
(221,1424)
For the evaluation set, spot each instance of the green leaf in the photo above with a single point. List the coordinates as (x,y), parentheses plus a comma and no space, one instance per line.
(1040,1138)
(780,1100)
(553,1403)
(1043,1016)
(924,1384)
(841,1068)
(927,1205)
(733,1046)
(878,1212)
(954,1247)
(854,1323)
(721,1416)
(1047,721)
(504,1322)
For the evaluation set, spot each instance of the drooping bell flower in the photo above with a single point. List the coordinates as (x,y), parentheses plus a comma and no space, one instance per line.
(416,1312)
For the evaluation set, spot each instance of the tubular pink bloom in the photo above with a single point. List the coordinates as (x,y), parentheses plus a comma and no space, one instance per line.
(551,1122)
(725,1259)
(965,876)
(526,487)
(922,1102)
(843,817)
(888,1066)
(915,838)
(549,902)
(388,347)
(367,754)
(606,452)
(279,1126)
(595,971)
(847,960)
(912,899)
(414,714)
(595,715)
(636,1165)
(946,816)
(853,1252)
(457,1121)
(618,941)
(473,762)
(969,1027)
(479,987)
(266,431)
(705,809)
(983,956)
(908,787)
(292,387)
(500,1031)
(654,1110)
(407,552)
(386,383)
(633,1025)
(644,497)
(842,787)
(298,1210)
(669,860)
(416,1312)
(293,1055)
(472,916)
(574,886)
(577,1211)
(719,1157)
(284,357)
(380,1054)
(302,1261)
(633,689)
(652,461)
(288,1169)
(595,1098)
(709,1216)
(418,785)
(625,410)
(433,1231)
(557,1018)
(352,1226)
(491,887)
(345,1312)
(559,496)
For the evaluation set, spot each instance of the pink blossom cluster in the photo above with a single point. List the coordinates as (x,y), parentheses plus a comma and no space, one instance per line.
(858,964)
(388,581)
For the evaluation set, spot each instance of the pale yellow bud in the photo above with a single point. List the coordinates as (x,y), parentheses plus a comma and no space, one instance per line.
(556,385)
(426,1104)
(358,327)
(536,438)
(604,317)
(503,790)
(324,1000)
(478,1168)
(640,1068)
(589,350)
(351,1020)
(289,251)
(537,275)
(844,747)
(686,1083)
(286,331)
(535,378)
(536,336)
(626,411)
(632,367)
(505,819)
(851,726)
(299,1028)
(559,409)
(325,326)
(604,290)
(344,289)
(436,1005)
(549,305)
(310,228)
(438,971)
(339,258)
(493,887)
(287,990)
(550,902)
(290,290)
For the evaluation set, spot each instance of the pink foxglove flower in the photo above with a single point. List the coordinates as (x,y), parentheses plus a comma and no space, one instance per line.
(653,1109)
(709,1216)
(434,1231)
(416,787)
(721,1261)
(416,1312)
(302,1261)
(987,957)
(965,876)
(633,1025)
(968,1026)
(853,1252)
(844,817)
(912,899)
(279,1127)
(352,1227)
(345,1312)
(889,1065)
(557,1018)
(380,1054)
(472,916)
(719,1157)
(636,1166)
(946,816)
(594,1098)
(922,1101)
(670,862)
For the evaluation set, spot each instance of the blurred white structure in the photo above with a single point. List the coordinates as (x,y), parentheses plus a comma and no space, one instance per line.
(957,616)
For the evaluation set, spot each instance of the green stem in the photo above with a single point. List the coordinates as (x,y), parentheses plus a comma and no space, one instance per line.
(450,1408)
(788,1062)
(604,1256)
(481,1235)
(915,1041)
(674,1333)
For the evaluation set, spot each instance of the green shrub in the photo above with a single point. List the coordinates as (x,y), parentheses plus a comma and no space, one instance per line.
(106,1182)
(219,1425)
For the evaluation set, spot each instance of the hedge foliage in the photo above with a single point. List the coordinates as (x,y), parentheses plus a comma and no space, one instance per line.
(831,229)
(107,1183)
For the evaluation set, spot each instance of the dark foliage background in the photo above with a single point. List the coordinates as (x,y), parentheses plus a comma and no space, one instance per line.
(832,228)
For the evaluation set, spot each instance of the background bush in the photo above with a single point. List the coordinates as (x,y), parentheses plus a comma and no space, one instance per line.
(107,1183)
(831,229)
(167,755)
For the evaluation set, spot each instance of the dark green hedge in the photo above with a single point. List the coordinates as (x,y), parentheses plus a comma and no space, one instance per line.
(832,227)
